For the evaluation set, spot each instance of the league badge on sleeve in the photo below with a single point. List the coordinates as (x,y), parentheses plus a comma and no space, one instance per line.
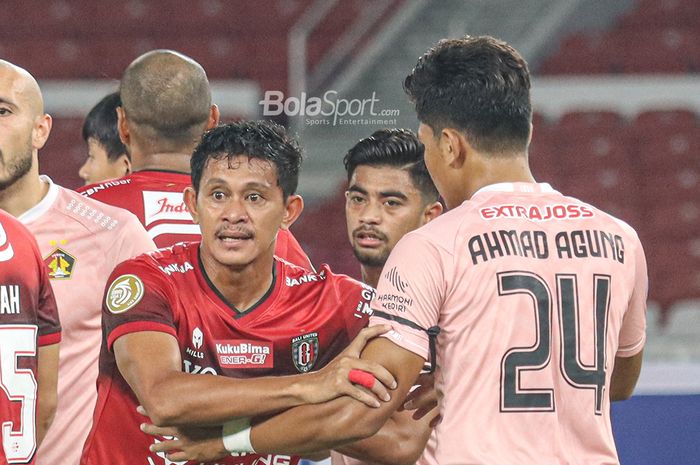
(305,352)
(124,292)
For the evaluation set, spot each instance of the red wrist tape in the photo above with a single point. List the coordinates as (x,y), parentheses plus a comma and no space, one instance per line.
(362,378)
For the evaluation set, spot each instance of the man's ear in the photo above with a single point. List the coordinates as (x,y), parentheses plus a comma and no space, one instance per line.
(454,147)
(431,211)
(190,198)
(214,118)
(124,161)
(123,127)
(292,210)
(41,131)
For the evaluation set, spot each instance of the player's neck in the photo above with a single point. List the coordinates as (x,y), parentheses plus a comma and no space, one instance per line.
(241,287)
(24,194)
(486,170)
(371,275)
(179,162)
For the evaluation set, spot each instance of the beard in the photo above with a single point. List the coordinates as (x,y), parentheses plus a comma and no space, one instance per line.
(16,168)
(377,259)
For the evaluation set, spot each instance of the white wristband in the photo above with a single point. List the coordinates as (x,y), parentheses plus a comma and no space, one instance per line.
(236,436)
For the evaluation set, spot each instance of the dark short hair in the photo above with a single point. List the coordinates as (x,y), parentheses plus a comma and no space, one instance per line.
(101,125)
(255,139)
(479,85)
(397,148)
(167,95)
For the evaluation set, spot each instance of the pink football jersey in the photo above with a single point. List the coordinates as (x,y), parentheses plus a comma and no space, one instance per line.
(155,197)
(304,321)
(535,294)
(82,241)
(28,320)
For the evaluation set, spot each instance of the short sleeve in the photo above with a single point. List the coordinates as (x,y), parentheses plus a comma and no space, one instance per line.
(633,331)
(136,299)
(48,322)
(410,293)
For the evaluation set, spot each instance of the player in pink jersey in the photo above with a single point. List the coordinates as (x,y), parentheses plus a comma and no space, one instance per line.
(225,306)
(389,194)
(81,240)
(537,299)
(29,338)
(166,106)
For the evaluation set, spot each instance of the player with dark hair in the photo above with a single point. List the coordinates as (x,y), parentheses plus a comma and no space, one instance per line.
(538,300)
(30,333)
(226,306)
(107,157)
(389,194)
(166,106)
(81,240)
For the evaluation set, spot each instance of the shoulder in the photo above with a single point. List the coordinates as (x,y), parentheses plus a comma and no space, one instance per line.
(321,280)
(98,190)
(92,214)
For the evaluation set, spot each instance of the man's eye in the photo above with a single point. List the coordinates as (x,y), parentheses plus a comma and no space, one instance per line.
(218,195)
(254,197)
(4,111)
(357,199)
(392,203)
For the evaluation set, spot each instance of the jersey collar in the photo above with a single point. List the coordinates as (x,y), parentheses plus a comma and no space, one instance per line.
(541,187)
(38,210)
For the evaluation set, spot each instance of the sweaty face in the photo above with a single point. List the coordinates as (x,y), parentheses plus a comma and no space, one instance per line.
(98,167)
(16,126)
(382,204)
(239,209)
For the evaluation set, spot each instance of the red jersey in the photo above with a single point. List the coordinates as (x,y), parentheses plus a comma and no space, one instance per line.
(28,318)
(301,324)
(155,197)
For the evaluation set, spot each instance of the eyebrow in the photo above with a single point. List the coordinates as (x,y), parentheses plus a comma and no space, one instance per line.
(4,100)
(248,185)
(398,194)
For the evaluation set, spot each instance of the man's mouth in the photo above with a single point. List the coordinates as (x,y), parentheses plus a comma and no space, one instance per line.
(234,237)
(369,238)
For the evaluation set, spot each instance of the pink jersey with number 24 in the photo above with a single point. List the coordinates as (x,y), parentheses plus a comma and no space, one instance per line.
(535,294)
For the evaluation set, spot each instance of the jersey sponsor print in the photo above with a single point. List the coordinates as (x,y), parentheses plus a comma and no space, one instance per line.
(535,294)
(299,326)
(28,320)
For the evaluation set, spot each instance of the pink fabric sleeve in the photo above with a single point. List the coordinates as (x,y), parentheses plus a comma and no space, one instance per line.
(633,331)
(411,290)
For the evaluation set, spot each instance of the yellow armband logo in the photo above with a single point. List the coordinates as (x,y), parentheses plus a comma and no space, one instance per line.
(124,293)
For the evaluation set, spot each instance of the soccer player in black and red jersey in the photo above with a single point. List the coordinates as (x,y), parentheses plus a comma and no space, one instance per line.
(166,106)
(226,306)
(30,333)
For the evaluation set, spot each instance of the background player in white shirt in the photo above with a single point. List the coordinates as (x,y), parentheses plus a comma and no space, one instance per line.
(540,298)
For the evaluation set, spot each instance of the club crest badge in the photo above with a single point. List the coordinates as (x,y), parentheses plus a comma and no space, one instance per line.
(124,293)
(305,352)
(60,264)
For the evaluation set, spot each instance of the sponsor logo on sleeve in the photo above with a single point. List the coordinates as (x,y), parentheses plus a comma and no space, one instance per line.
(394,277)
(124,293)
(242,353)
(305,351)
(60,264)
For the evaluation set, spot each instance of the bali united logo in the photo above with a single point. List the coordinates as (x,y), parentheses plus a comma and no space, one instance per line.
(305,351)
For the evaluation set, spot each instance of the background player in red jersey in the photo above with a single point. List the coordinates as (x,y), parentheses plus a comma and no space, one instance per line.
(29,340)
(226,306)
(107,157)
(166,106)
